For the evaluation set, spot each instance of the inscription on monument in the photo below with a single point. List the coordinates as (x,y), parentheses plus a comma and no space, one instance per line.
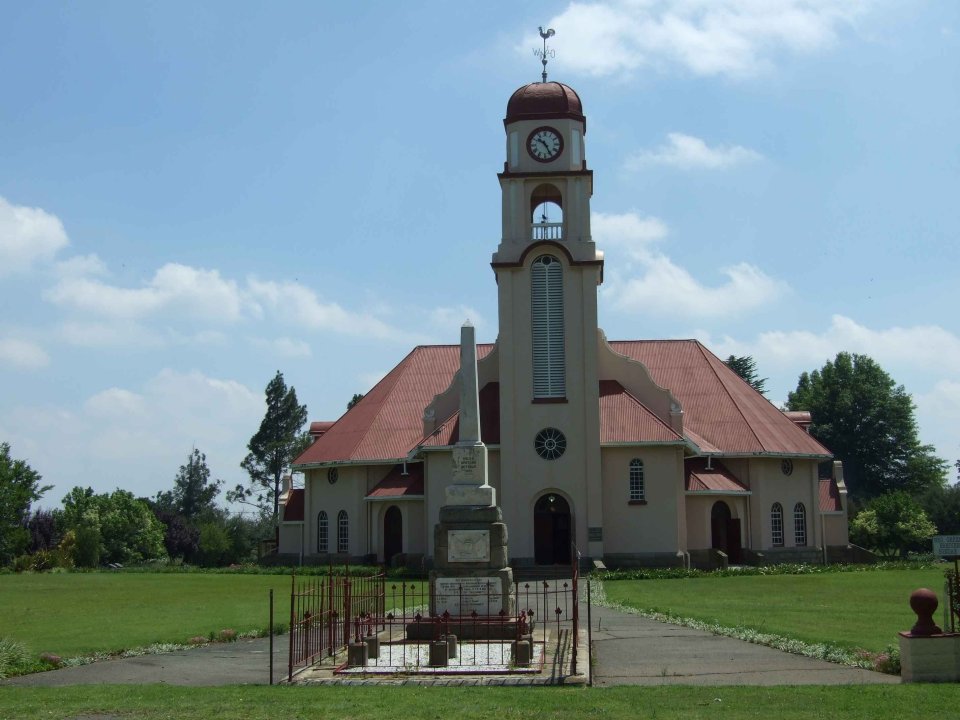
(468,465)
(468,546)
(464,595)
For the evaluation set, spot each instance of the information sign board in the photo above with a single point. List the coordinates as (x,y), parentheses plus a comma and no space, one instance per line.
(946,546)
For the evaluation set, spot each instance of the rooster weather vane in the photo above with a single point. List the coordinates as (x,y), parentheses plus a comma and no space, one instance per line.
(546,52)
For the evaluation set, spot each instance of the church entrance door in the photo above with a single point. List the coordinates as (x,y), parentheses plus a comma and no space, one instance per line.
(392,533)
(551,530)
(725,531)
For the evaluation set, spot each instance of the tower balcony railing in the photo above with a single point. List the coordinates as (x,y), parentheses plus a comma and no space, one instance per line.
(547,231)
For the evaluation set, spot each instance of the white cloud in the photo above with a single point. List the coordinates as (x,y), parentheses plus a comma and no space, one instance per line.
(136,438)
(283,347)
(81,266)
(196,292)
(687,152)
(299,305)
(22,354)
(939,411)
(919,346)
(705,37)
(27,236)
(652,282)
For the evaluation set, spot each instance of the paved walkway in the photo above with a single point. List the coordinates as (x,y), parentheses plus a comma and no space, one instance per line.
(633,650)
(629,650)
(241,662)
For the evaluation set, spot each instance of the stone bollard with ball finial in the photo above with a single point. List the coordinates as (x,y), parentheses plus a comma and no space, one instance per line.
(927,654)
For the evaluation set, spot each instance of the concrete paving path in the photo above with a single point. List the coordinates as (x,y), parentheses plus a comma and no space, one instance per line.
(241,662)
(633,650)
(629,650)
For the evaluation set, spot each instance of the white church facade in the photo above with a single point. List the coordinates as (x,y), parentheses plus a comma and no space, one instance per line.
(637,452)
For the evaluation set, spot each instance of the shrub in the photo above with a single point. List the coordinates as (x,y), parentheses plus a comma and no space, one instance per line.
(14,657)
(215,545)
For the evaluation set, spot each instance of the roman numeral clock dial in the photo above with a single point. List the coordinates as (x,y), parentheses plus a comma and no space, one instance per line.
(544,144)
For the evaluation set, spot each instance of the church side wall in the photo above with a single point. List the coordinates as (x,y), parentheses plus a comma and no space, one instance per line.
(770,485)
(346,494)
(640,529)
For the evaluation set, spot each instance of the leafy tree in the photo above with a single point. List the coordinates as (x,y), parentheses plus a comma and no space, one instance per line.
(128,530)
(215,545)
(357,397)
(193,493)
(942,505)
(867,421)
(892,524)
(746,367)
(272,448)
(19,488)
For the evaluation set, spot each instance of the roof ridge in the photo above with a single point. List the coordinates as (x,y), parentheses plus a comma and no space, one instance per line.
(726,390)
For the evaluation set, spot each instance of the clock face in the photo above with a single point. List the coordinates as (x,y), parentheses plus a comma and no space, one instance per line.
(544,144)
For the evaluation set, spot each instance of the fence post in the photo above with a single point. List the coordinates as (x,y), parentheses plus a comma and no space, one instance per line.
(589,638)
(293,617)
(270,630)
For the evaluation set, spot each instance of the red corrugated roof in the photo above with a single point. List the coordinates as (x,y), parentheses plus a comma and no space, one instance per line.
(716,478)
(717,404)
(398,485)
(829,496)
(448,433)
(388,422)
(293,507)
(722,413)
(624,419)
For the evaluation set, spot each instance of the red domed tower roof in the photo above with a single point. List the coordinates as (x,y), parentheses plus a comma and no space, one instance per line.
(544,100)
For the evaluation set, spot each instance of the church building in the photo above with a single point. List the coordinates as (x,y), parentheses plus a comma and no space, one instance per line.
(631,452)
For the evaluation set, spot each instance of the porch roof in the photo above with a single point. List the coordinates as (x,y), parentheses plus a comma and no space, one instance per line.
(396,485)
(713,480)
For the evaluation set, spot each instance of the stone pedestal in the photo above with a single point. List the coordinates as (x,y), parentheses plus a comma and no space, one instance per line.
(929,658)
(470,564)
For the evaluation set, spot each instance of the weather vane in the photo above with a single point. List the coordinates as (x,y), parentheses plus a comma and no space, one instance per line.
(546,52)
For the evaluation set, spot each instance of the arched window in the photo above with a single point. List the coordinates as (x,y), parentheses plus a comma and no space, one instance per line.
(637,488)
(546,301)
(323,533)
(799,525)
(776,525)
(343,532)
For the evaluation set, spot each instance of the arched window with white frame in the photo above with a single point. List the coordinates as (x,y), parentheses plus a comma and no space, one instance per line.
(343,532)
(799,525)
(323,533)
(546,303)
(776,525)
(638,490)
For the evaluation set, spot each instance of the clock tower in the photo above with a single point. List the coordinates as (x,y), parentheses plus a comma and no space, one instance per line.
(548,270)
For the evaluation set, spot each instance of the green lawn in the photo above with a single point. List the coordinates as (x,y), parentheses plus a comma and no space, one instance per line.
(76,613)
(854,610)
(344,703)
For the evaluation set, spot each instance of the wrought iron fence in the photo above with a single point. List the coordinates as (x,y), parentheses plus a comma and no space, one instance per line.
(321,609)
(544,616)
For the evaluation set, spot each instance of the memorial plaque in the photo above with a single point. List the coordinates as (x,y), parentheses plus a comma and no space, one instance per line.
(468,546)
(464,595)
(468,465)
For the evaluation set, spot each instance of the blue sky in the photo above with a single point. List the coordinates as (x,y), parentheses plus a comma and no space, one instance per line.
(193,196)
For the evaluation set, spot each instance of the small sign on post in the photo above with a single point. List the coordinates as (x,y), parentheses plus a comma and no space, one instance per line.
(946,546)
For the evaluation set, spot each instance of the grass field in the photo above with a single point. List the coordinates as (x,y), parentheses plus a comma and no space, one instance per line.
(854,610)
(72,614)
(664,703)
